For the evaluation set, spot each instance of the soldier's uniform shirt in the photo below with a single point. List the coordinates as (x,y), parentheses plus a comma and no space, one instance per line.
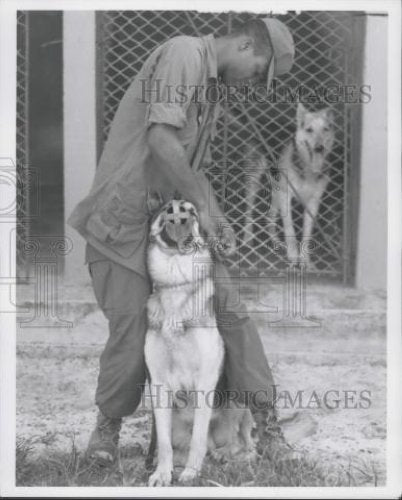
(114,217)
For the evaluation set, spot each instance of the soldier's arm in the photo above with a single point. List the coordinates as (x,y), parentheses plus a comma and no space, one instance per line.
(168,152)
(170,155)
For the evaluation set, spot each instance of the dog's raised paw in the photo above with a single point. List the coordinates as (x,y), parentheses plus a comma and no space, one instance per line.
(188,475)
(161,477)
(172,324)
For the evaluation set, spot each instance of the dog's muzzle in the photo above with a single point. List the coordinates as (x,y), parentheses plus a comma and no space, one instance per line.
(178,234)
(319,149)
(177,225)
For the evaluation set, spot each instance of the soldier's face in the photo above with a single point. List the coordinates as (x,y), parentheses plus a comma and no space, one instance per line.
(245,67)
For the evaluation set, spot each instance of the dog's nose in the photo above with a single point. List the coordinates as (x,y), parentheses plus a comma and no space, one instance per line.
(187,244)
(319,149)
(188,240)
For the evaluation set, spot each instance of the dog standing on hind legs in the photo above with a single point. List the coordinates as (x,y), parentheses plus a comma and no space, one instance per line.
(184,351)
(302,167)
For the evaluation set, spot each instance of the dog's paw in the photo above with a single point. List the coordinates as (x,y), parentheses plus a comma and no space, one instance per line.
(292,250)
(173,324)
(294,258)
(161,477)
(188,475)
(221,454)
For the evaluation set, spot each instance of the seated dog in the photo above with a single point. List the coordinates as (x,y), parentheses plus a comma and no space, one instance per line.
(184,351)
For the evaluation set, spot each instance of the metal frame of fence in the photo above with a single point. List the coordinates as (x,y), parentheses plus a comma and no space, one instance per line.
(325,55)
(22,151)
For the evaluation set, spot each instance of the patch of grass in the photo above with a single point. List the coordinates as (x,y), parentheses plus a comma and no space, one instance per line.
(304,472)
(57,468)
(72,468)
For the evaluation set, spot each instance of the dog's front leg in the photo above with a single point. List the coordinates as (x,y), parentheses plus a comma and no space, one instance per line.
(199,438)
(289,230)
(155,312)
(309,218)
(163,420)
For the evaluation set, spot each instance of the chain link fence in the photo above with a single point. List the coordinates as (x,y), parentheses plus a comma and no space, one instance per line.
(323,47)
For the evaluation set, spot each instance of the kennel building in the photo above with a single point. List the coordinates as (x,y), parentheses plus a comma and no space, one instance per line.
(95,56)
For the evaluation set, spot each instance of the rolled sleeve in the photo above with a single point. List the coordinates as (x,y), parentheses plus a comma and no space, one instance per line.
(168,113)
(176,75)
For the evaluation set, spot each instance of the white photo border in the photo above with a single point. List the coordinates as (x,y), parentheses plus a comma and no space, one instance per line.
(393,489)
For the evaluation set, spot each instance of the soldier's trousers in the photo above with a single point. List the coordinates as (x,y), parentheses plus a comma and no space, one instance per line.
(122,295)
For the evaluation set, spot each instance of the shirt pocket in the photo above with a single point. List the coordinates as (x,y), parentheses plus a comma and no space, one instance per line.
(121,221)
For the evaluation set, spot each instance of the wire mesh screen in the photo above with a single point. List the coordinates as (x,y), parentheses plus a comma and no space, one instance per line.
(323,41)
(22,138)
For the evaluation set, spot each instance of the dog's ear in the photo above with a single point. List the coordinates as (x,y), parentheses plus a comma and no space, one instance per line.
(157,223)
(330,115)
(196,226)
(193,211)
(300,115)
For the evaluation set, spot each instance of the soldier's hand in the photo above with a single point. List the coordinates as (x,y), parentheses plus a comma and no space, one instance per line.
(208,224)
(227,243)
(222,237)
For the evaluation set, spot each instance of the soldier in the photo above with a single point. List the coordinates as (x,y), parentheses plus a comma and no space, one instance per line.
(156,133)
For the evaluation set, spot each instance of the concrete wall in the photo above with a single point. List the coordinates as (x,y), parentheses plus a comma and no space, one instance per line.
(371,271)
(79,126)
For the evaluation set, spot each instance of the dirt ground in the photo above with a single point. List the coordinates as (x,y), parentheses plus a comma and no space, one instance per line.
(343,359)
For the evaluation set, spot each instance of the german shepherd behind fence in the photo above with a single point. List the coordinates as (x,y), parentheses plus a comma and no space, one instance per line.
(302,174)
